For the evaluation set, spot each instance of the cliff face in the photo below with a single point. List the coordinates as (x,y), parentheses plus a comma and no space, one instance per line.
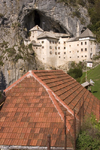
(17,17)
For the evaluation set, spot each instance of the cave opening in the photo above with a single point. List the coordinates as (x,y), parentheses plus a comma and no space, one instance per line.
(36,18)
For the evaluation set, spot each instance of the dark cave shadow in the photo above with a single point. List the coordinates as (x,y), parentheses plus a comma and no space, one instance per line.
(2,81)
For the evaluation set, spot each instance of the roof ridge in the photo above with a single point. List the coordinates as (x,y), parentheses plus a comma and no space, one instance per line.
(52,97)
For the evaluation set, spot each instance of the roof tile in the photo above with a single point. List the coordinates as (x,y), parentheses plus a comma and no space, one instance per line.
(35,106)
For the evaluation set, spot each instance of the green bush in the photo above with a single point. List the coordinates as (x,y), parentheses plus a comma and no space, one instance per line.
(89,137)
(75,73)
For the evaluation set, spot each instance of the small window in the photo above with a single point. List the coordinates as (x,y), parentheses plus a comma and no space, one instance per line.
(69,51)
(70,57)
(81,56)
(77,56)
(69,45)
(77,51)
(42,46)
(58,53)
(50,52)
(42,41)
(58,47)
(50,41)
(81,43)
(59,42)
(64,57)
(55,47)
(59,56)
(55,53)
(81,49)
(64,52)
(85,55)
(85,43)
(77,44)
(64,47)
(85,49)
(50,47)
(64,42)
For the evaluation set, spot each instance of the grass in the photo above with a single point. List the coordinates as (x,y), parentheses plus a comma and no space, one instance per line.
(93,74)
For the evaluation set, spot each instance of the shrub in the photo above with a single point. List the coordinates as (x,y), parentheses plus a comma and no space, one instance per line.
(89,137)
(1,15)
(75,73)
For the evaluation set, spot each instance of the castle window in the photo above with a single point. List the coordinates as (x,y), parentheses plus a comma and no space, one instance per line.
(85,43)
(50,47)
(85,55)
(77,51)
(64,52)
(77,44)
(69,45)
(81,43)
(58,47)
(55,47)
(64,47)
(42,41)
(85,49)
(81,49)
(59,42)
(59,56)
(42,46)
(81,56)
(77,56)
(70,51)
(58,53)
(70,57)
(64,42)
(55,53)
(50,52)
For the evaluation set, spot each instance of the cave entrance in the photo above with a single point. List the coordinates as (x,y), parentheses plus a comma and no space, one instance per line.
(36,18)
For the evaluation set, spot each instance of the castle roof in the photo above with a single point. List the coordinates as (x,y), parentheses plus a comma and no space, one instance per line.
(87,33)
(36,28)
(47,35)
(35,106)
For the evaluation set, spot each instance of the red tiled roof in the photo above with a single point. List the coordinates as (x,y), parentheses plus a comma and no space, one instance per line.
(35,105)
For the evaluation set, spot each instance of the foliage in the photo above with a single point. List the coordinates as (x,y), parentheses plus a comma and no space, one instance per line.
(89,137)
(1,15)
(77,13)
(75,73)
(94,11)
(93,74)
(96,57)
(11,53)
(76,70)
(16,24)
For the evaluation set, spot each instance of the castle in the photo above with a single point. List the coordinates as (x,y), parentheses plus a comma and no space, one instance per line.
(57,49)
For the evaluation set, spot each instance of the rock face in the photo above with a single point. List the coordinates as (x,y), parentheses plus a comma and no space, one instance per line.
(17,17)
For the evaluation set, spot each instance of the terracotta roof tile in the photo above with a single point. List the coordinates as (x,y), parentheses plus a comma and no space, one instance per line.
(35,106)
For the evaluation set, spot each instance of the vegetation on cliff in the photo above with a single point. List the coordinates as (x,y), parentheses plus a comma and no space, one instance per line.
(93,7)
(15,53)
